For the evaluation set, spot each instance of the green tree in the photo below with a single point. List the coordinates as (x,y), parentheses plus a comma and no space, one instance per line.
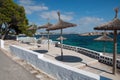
(13,16)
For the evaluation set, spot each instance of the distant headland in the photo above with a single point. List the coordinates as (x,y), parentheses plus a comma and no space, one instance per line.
(94,33)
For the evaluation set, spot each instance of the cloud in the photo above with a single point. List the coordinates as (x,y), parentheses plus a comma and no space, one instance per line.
(69,13)
(30,6)
(87,24)
(90,20)
(53,15)
(26,2)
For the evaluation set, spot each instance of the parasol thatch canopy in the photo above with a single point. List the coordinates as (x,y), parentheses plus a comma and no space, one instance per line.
(112,25)
(45,26)
(60,25)
(61,38)
(104,38)
(43,38)
(32,28)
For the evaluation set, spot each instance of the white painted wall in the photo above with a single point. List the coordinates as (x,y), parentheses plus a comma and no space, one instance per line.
(1,43)
(56,69)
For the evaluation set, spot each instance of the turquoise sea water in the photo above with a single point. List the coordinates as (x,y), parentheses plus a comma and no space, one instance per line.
(87,42)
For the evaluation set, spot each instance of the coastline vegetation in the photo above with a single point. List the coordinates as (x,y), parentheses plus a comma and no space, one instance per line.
(13,17)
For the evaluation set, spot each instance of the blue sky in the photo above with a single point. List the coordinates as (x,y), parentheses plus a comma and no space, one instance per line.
(85,13)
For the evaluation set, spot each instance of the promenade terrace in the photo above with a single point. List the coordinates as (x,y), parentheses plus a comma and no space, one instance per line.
(70,58)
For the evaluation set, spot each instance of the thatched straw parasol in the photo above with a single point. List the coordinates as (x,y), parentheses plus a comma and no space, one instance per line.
(43,38)
(61,38)
(104,38)
(61,25)
(113,25)
(32,28)
(46,26)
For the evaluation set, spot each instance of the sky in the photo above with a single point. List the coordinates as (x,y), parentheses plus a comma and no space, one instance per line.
(87,14)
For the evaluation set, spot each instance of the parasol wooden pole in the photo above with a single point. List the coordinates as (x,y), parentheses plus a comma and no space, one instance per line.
(48,39)
(104,47)
(48,35)
(61,41)
(115,52)
(104,43)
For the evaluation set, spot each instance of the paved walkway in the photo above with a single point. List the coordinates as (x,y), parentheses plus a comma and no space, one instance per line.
(10,70)
(79,61)
(71,58)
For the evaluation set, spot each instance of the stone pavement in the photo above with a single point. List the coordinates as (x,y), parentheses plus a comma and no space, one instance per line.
(10,70)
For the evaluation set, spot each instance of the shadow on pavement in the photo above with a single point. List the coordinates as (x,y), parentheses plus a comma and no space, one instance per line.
(68,58)
(41,51)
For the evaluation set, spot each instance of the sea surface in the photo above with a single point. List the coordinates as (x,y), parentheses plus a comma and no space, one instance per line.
(87,42)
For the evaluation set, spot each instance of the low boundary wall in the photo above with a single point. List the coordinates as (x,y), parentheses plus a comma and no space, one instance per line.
(1,43)
(91,53)
(56,69)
